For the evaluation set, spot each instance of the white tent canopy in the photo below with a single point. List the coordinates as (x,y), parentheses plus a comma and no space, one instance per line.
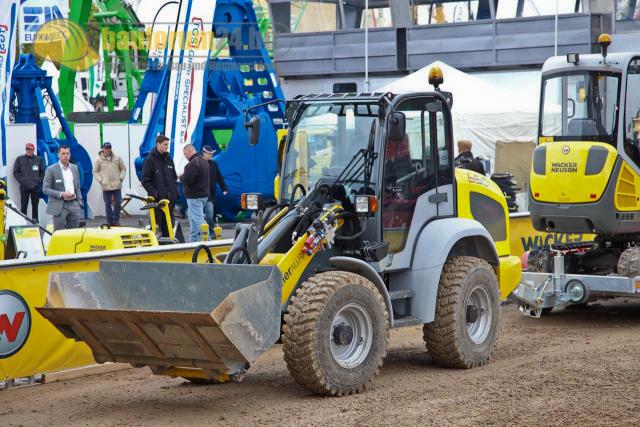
(482,113)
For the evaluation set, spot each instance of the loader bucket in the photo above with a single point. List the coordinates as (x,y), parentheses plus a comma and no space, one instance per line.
(215,319)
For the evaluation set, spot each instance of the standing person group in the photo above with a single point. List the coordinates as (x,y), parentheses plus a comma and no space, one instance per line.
(199,178)
(109,170)
(62,185)
(29,172)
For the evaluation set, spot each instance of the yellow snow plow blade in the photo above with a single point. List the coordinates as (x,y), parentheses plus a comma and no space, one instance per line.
(217,318)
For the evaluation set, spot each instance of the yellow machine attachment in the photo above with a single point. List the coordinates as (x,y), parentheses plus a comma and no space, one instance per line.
(151,205)
(80,240)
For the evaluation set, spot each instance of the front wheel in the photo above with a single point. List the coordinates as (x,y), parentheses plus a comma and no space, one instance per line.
(467,318)
(335,333)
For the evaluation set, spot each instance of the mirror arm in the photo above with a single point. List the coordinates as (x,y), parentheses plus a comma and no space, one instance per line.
(253,107)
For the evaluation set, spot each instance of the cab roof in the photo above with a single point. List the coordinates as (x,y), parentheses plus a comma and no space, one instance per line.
(617,62)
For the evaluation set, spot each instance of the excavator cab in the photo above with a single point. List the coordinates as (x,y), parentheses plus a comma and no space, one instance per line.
(586,169)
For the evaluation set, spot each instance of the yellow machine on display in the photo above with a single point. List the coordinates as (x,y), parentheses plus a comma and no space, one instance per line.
(372,230)
(104,238)
(585,178)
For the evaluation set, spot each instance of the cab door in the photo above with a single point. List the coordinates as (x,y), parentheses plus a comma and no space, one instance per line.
(417,176)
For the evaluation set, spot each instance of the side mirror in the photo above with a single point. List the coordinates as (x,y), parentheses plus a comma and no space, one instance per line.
(396,126)
(254,130)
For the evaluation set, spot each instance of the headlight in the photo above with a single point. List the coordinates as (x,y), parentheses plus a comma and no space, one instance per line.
(251,201)
(366,204)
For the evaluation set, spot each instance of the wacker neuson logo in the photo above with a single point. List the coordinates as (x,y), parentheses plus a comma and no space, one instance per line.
(15,323)
(564,167)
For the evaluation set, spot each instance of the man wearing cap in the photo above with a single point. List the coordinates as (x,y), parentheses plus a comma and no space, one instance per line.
(214,177)
(109,170)
(29,172)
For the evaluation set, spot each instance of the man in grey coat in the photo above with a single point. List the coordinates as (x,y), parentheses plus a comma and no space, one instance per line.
(62,185)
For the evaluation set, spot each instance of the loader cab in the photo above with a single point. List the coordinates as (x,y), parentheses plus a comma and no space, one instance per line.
(588,154)
(410,175)
(417,171)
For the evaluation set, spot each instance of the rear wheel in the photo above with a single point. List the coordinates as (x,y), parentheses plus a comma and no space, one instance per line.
(467,318)
(335,333)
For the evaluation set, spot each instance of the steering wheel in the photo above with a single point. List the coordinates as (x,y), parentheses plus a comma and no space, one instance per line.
(418,169)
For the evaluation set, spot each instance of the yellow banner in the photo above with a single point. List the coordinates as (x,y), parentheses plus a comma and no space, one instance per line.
(29,344)
(525,238)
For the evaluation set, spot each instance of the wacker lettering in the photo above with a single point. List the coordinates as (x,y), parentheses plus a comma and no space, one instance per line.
(564,167)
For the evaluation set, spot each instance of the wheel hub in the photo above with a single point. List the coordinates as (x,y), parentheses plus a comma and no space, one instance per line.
(351,335)
(343,334)
(472,314)
(478,314)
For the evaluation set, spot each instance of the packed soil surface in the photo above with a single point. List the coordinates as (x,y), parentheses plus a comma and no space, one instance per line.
(574,367)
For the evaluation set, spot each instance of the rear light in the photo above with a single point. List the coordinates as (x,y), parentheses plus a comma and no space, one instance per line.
(536,194)
(592,196)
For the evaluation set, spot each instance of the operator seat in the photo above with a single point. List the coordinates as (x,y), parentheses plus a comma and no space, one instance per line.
(584,126)
(399,199)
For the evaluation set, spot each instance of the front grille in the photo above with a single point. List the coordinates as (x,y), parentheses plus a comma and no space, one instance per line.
(136,240)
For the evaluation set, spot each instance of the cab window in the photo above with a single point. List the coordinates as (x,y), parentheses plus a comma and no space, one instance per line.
(632,112)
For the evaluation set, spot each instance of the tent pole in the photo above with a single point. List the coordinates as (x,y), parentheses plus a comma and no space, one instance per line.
(366,46)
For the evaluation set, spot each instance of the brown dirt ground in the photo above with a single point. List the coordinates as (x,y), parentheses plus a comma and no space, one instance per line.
(573,367)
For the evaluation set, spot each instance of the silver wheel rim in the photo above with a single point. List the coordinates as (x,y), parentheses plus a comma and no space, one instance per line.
(478,315)
(353,318)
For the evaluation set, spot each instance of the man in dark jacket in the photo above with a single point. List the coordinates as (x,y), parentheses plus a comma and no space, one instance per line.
(196,190)
(465,159)
(214,177)
(29,171)
(159,179)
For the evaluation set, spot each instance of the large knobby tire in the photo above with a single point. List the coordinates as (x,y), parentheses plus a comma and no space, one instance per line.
(335,333)
(629,262)
(462,336)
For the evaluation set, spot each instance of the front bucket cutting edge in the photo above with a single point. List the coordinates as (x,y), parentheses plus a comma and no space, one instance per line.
(217,318)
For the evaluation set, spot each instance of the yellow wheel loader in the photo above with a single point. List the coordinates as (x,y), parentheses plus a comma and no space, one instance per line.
(585,178)
(373,229)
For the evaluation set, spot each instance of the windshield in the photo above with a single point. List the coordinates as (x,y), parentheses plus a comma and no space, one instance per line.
(324,141)
(580,106)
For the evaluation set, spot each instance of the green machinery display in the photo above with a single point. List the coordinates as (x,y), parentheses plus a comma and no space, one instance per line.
(114,17)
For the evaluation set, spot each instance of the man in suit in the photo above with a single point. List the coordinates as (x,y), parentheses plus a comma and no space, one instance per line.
(62,185)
